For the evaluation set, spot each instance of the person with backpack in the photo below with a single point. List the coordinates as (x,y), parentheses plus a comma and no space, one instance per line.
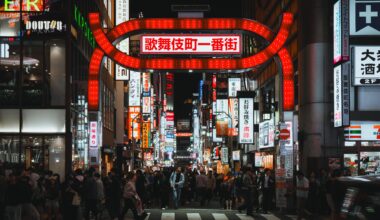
(177,180)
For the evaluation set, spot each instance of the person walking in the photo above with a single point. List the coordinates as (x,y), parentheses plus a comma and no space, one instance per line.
(164,187)
(313,195)
(177,180)
(302,194)
(211,182)
(247,189)
(131,199)
(90,194)
(266,183)
(201,183)
(141,185)
(113,194)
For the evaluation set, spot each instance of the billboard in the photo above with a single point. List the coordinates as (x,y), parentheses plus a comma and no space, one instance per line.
(134,88)
(190,44)
(364,17)
(169,91)
(233,111)
(146,105)
(366,63)
(93,134)
(338,96)
(145,135)
(266,134)
(234,85)
(122,15)
(134,118)
(222,117)
(341,32)
(246,120)
(362,131)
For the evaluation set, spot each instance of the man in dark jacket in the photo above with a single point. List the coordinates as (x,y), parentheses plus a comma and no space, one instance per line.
(247,189)
(90,194)
(267,184)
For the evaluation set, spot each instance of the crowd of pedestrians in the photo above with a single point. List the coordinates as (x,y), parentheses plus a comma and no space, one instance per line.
(29,194)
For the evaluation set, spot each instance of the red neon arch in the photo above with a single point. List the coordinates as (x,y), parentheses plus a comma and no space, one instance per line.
(107,48)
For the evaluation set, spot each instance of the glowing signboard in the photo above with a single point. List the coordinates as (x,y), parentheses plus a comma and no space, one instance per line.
(93,134)
(27,5)
(191,44)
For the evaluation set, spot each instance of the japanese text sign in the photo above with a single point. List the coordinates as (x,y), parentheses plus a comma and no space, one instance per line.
(190,44)
(366,65)
(93,134)
(246,120)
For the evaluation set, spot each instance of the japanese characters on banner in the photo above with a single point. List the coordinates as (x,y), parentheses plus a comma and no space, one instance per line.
(146,90)
(145,134)
(346,72)
(233,111)
(122,15)
(362,131)
(224,155)
(266,134)
(341,32)
(281,197)
(246,120)
(93,134)
(190,44)
(366,64)
(134,88)
(234,85)
(169,91)
(134,118)
(364,17)
(338,96)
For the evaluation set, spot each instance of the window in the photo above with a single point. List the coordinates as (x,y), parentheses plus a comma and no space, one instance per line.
(10,120)
(9,149)
(9,70)
(43,121)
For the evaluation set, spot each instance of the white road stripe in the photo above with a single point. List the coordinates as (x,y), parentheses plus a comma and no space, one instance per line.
(147,217)
(167,216)
(219,216)
(244,217)
(193,216)
(270,216)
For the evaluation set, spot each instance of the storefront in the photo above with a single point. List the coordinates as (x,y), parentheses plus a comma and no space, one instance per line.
(362,148)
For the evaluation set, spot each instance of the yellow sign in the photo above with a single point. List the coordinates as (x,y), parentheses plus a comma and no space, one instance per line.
(145,135)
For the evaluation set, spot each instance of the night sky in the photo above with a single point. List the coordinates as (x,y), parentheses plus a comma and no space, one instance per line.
(185,84)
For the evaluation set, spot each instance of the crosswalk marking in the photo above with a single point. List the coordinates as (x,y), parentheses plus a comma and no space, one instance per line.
(270,217)
(147,217)
(244,217)
(193,216)
(292,216)
(219,216)
(167,216)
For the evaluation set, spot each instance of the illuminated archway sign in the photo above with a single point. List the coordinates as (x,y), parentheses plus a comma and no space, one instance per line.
(106,48)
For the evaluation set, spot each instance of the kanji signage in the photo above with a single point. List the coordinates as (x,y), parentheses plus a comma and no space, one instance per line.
(122,15)
(233,111)
(24,5)
(134,123)
(224,155)
(365,17)
(190,44)
(246,120)
(134,88)
(266,134)
(338,96)
(145,134)
(366,64)
(234,85)
(93,134)
(341,31)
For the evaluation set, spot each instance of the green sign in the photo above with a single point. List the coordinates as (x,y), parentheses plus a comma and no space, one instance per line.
(83,25)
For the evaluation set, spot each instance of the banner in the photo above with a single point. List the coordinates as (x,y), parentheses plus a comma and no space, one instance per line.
(93,134)
(145,134)
(134,119)
(234,85)
(246,120)
(122,15)
(134,88)
(233,111)
(266,134)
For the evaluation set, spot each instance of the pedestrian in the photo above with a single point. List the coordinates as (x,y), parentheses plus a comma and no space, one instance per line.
(313,194)
(131,199)
(201,184)
(90,194)
(226,191)
(247,190)
(302,187)
(70,200)
(141,185)
(211,183)
(267,185)
(100,194)
(332,193)
(12,201)
(113,194)
(52,196)
(177,180)
(3,189)
(164,187)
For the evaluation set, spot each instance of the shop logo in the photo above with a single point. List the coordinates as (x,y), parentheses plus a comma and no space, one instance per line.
(368,14)
(44,26)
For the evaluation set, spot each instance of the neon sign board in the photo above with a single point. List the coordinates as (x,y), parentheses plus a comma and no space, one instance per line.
(190,44)
(27,5)
(275,47)
(83,25)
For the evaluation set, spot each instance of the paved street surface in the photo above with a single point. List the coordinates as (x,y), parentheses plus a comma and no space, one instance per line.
(207,214)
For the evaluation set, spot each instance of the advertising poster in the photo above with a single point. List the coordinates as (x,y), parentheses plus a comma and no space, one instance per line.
(266,134)
(246,121)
